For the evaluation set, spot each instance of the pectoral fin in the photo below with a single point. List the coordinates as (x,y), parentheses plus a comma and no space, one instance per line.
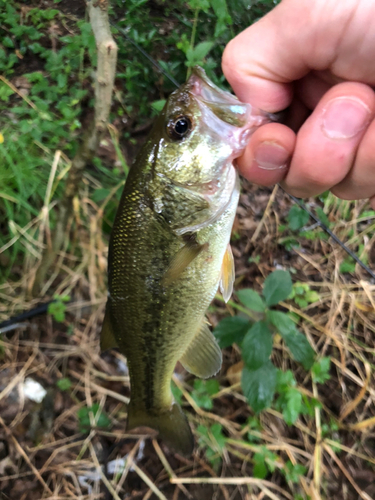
(203,356)
(227,274)
(107,339)
(182,260)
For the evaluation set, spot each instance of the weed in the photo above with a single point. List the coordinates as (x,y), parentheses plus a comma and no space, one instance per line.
(260,378)
(302,294)
(212,440)
(57,308)
(64,384)
(100,418)
(203,392)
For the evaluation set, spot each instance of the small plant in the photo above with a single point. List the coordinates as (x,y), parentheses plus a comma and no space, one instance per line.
(64,384)
(320,370)
(212,440)
(293,472)
(100,417)
(264,462)
(297,219)
(302,294)
(260,378)
(203,392)
(57,308)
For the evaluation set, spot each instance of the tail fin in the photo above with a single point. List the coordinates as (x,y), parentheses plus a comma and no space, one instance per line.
(172,425)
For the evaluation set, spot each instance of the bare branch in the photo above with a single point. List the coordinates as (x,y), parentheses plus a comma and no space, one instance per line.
(105,75)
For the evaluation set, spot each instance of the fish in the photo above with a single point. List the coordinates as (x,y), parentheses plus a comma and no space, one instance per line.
(169,249)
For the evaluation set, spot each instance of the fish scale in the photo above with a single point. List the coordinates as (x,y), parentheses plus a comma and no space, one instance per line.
(167,248)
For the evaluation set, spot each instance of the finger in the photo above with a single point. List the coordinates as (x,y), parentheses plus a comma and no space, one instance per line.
(360,181)
(327,142)
(266,158)
(261,61)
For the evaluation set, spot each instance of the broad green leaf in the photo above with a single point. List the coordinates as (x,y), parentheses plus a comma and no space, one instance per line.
(297,218)
(198,53)
(260,469)
(282,322)
(296,342)
(231,330)
(300,349)
(292,409)
(277,286)
(259,386)
(257,345)
(251,299)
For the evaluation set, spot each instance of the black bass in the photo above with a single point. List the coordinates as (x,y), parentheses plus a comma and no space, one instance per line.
(169,250)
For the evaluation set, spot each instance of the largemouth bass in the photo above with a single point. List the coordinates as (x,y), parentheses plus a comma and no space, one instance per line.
(169,249)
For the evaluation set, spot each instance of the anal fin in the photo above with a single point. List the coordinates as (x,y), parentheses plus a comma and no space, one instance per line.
(203,356)
(227,274)
(107,338)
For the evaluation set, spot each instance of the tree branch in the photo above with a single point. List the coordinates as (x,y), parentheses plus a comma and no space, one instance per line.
(105,75)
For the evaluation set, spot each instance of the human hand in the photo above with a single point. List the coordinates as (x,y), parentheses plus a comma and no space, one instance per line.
(318,57)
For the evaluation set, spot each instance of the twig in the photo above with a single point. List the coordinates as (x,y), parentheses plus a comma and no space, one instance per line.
(22,452)
(230,480)
(168,468)
(107,57)
(147,480)
(265,215)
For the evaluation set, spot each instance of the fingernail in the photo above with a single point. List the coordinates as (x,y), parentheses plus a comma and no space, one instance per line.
(271,156)
(345,117)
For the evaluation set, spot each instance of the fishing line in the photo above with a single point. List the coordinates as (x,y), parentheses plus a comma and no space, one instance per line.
(42,309)
(146,54)
(331,234)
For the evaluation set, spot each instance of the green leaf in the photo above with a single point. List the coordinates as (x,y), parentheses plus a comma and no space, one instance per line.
(320,370)
(312,296)
(83,414)
(158,105)
(176,392)
(64,384)
(322,216)
(277,286)
(292,409)
(348,266)
(203,389)
(282,322)
(297,343)
(293,472)
(300,349)
(297,218)
(257,345)
(259,386)
(251,299)
(260,469)
(231,330)
(197,54)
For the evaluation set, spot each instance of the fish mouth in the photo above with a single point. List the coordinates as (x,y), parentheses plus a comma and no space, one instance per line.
(223,112)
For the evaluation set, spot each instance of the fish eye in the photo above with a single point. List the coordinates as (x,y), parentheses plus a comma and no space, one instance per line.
(179,127)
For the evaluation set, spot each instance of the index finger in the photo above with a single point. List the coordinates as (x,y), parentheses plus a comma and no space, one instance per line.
(262,61)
